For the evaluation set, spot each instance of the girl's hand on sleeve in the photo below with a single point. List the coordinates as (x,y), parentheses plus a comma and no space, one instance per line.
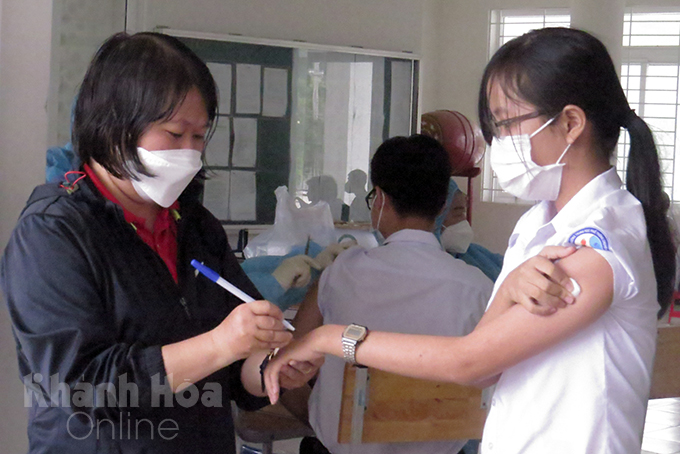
(538,285)
(248,328)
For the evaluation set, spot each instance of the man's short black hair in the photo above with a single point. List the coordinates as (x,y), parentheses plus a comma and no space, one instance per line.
(414,171)
(132,82)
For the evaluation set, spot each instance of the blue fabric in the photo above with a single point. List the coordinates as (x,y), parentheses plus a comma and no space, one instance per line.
(60,160)
(439,221)
(487,261)
(476,255)
(259,271)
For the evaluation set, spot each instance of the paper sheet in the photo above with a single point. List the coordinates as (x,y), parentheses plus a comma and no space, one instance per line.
(275,95)
(243,196)
(217,152)
(222,74)
(216,194)
(247,89)
(245,142)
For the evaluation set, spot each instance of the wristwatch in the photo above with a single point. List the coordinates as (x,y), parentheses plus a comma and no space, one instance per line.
(351,337)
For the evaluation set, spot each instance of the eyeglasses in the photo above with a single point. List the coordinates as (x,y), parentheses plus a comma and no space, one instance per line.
(514,120)
(370,197)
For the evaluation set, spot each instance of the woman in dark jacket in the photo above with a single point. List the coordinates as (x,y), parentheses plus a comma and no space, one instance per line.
(121,346)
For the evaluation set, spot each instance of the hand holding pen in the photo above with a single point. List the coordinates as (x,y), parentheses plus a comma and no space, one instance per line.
(255,326)
(249,328)
(228,286)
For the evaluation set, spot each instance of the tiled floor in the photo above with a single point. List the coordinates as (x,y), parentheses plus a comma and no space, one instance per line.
(662,427)
(662,430)
(279,447)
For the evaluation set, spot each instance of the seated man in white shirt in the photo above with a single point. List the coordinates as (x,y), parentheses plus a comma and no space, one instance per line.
(408,284)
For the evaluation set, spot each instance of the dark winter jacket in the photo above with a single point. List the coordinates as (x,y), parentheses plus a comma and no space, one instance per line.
(91,305)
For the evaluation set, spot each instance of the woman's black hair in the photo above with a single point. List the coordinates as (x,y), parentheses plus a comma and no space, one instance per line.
(414,171)
(551,68)
(132,82)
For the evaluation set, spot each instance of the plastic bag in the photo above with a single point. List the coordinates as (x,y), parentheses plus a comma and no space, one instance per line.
(293,225)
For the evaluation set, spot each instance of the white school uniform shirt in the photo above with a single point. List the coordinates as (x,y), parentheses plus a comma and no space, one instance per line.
(589,393)
(408,285)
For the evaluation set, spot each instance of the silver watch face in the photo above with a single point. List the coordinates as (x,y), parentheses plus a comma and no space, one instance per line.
(355,332)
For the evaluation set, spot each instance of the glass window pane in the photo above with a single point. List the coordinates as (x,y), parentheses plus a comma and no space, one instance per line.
(515,30)
(661,124)
(662,83)
(662,70)
(631,82)
(640,40)
(524,19)
(666,167)
(660,110)
(633,97)
(663,138)
(660,96)
(662,16)
(655,28)
(563,19)
(666,151)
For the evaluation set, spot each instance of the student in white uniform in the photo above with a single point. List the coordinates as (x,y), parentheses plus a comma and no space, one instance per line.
(407,285)
(573,379)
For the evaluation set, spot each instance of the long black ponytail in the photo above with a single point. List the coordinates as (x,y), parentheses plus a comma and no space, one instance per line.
(644,182)
(554,67)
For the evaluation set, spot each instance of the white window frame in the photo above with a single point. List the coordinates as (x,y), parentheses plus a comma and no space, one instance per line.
(498,35)
(646,57)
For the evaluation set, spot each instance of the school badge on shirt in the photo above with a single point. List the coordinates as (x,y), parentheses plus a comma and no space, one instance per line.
(591,237)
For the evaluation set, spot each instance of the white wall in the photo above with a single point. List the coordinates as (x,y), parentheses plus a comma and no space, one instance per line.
(389,25)
(29,31)
(25,36)
(462,43)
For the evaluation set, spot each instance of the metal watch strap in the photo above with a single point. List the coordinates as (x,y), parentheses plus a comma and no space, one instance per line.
(350,339)
(349,348)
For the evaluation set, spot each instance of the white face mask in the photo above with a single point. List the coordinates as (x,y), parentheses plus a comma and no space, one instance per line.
(518,174)
(172,170)
(456,238)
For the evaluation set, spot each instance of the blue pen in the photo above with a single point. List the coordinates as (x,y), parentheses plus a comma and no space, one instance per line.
(228,286)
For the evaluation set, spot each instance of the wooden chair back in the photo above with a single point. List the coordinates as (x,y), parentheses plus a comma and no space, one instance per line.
(379,407)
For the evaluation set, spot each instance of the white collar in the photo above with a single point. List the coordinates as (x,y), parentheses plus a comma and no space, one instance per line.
(579,207)
(413,236)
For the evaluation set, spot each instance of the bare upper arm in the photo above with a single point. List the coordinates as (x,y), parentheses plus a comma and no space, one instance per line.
(308,315)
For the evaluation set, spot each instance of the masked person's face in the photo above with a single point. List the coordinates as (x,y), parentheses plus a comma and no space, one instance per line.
(458,210)
(171,151)
(457,234)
